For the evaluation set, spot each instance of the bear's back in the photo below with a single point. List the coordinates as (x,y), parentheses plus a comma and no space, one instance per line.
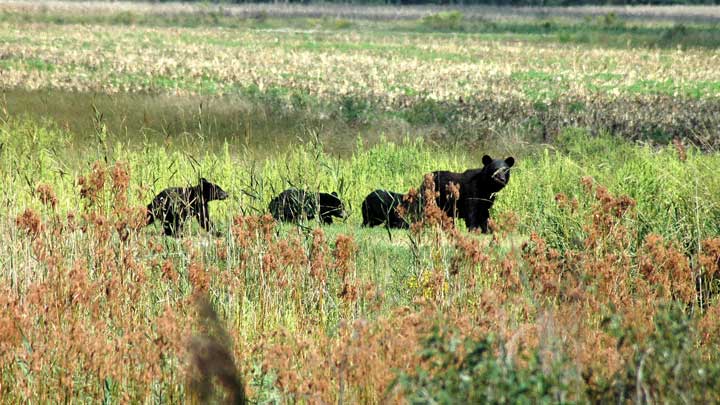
(176,196)
(292,204)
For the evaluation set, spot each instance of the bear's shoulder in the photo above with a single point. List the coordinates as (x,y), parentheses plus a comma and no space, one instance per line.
(471,175)
(328,199)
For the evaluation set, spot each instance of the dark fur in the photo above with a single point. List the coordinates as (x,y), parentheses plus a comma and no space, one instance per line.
(294,205)
(380,207)
(477,191)
(173,206)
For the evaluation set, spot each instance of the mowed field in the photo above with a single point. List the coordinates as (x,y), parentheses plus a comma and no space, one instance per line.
(599,282)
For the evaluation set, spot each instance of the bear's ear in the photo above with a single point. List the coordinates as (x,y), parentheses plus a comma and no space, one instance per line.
(486,160)
(334,193)
(203,180)
(510,161)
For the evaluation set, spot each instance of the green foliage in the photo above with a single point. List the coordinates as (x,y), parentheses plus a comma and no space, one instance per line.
(430,111)
(444,21)
(674,198)
(353,109)
(674,34)
(611,20)
(30,153)
(665,366)
(471,371)
(125,18)
(337,23)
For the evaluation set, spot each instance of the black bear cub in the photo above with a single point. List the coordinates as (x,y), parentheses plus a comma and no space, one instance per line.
(477,191)
(380,207)
(174,205)
(294,205)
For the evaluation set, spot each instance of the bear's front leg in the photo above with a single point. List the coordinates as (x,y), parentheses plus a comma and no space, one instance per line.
(398,223)
(203,216)
(172,225)
(469,212)
(483,220)
(477,217)
(470,219)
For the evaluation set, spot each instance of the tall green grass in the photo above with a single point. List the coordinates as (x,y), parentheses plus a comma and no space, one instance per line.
(678,199)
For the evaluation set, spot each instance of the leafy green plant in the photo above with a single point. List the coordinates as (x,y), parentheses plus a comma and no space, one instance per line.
(461,370)
(664,367)
(444,20)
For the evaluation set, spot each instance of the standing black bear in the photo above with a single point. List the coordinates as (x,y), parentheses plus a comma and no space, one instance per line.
(380,207)
(477,191)
(174,205)
(294,205)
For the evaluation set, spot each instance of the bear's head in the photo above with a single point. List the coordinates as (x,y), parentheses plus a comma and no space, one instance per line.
(331,206)
(211,191)
(496,172)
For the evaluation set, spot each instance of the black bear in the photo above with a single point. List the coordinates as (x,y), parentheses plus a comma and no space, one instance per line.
(174,205)
(477,189)
(380,207)
(294,205)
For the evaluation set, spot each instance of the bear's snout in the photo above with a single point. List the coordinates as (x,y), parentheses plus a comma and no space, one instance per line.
(501,175)
(221,195)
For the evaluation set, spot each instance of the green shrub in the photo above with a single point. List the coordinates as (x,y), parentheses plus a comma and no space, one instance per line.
(354,109)
(468,371)
(674,34)
(665,367)
(444,20)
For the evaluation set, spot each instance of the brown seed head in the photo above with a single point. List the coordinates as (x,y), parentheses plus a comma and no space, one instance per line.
(47,195)
(30,222)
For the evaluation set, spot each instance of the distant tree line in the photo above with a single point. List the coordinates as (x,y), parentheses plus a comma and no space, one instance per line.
(475,2)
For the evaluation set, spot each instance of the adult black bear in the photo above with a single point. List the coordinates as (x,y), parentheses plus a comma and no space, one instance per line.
(294,205)
(477,189)
(380,207)
(174,205)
